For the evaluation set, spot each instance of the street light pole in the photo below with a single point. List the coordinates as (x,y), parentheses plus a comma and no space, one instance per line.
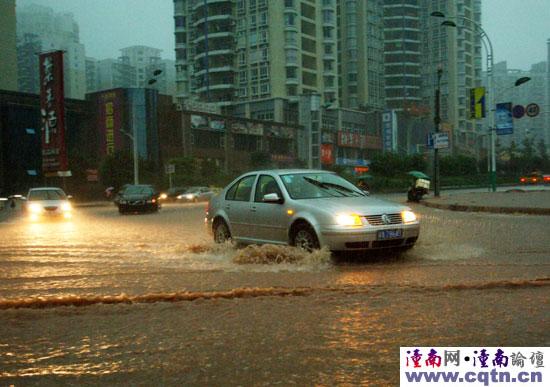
(135,151)
(437,122)
(492,99)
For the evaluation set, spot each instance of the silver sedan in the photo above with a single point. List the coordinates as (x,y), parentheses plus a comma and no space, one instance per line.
(309,209)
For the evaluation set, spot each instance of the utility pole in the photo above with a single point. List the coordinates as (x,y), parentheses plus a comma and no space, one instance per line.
(437,122)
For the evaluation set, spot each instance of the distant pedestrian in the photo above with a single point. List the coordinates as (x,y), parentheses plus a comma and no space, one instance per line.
(109,192)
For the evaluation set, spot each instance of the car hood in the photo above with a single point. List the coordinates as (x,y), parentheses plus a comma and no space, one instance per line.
(48,203)
(363,205)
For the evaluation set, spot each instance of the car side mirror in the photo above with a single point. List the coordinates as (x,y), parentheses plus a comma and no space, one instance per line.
(69,197)
(272,198)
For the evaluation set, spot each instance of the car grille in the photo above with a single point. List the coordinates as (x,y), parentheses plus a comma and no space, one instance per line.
(376,220)
(136,202)
(50,208)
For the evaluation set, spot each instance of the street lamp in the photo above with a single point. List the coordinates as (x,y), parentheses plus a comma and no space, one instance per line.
(136,155)
(437,122)
(490,64)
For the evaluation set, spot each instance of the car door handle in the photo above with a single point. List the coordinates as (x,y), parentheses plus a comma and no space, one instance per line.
(227,207)
(253,209)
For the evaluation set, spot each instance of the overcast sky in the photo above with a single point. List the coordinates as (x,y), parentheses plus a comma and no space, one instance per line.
(518,29)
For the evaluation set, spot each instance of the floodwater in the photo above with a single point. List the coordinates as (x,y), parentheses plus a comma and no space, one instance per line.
(146,299)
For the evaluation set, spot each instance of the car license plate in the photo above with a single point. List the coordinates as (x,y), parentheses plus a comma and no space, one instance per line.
(389,234)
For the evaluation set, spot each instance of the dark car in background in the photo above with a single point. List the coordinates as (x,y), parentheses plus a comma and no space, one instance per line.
(138,198)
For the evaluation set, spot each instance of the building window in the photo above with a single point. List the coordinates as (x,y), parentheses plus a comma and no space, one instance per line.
(291,56)
(252,21)
(264,72)
(289,19)
(180,21)
(263,36)
(291,72)
(264,88)
(253,38)
(242,58)
(292,90)
(291,37)
(289,3)
(265,54)
(263,18)
(328,48)
(254,74)
(242,76)
(254,90)
(328,16)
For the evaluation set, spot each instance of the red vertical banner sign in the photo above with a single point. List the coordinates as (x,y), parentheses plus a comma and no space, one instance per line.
(52,111)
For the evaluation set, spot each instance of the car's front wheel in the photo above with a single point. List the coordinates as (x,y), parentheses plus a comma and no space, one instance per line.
(304,237)
(221,232)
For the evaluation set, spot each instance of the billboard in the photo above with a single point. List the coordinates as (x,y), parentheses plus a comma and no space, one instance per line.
(109,121)
(389,131)
(327,154)
(52,112)
(357,140)
(477,102)
(503,118)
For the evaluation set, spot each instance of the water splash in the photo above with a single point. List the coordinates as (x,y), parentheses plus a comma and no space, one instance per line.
(277,254)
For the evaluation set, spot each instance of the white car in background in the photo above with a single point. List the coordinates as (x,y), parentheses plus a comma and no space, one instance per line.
(196,194)
(48,202)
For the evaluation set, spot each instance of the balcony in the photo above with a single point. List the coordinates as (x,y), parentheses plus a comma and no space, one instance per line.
(202,3)
(224,51)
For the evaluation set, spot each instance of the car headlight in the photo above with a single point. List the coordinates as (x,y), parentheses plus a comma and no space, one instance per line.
(190,196)
(66,207)
(35,208)
(408,216)
(348,220)
(163,196)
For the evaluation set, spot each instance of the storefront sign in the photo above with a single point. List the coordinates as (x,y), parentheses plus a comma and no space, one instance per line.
(52,111)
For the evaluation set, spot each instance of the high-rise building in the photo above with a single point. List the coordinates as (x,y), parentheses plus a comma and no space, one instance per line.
(91,75)
(360,54)
(142,58)
(8,53)
(416,46)
(40,29)
(112,73)
(256,57)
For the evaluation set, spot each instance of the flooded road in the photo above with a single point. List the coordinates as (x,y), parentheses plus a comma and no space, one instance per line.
(148,298)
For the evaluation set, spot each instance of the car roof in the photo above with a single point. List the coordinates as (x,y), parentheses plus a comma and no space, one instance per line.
(291,171)
(45,189)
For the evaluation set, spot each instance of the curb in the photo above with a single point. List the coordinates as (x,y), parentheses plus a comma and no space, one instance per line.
(495,210)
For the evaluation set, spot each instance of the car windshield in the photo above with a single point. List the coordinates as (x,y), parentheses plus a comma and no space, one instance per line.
(138,190)
(318,185)
(47,194)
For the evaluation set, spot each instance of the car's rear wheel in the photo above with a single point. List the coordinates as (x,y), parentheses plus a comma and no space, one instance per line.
(221,232)
(304,237)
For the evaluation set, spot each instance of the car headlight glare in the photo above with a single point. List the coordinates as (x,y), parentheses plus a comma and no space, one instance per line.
(348,220)
(190,196)
(163,196)
(408,216)
(66,207)
(35,208)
